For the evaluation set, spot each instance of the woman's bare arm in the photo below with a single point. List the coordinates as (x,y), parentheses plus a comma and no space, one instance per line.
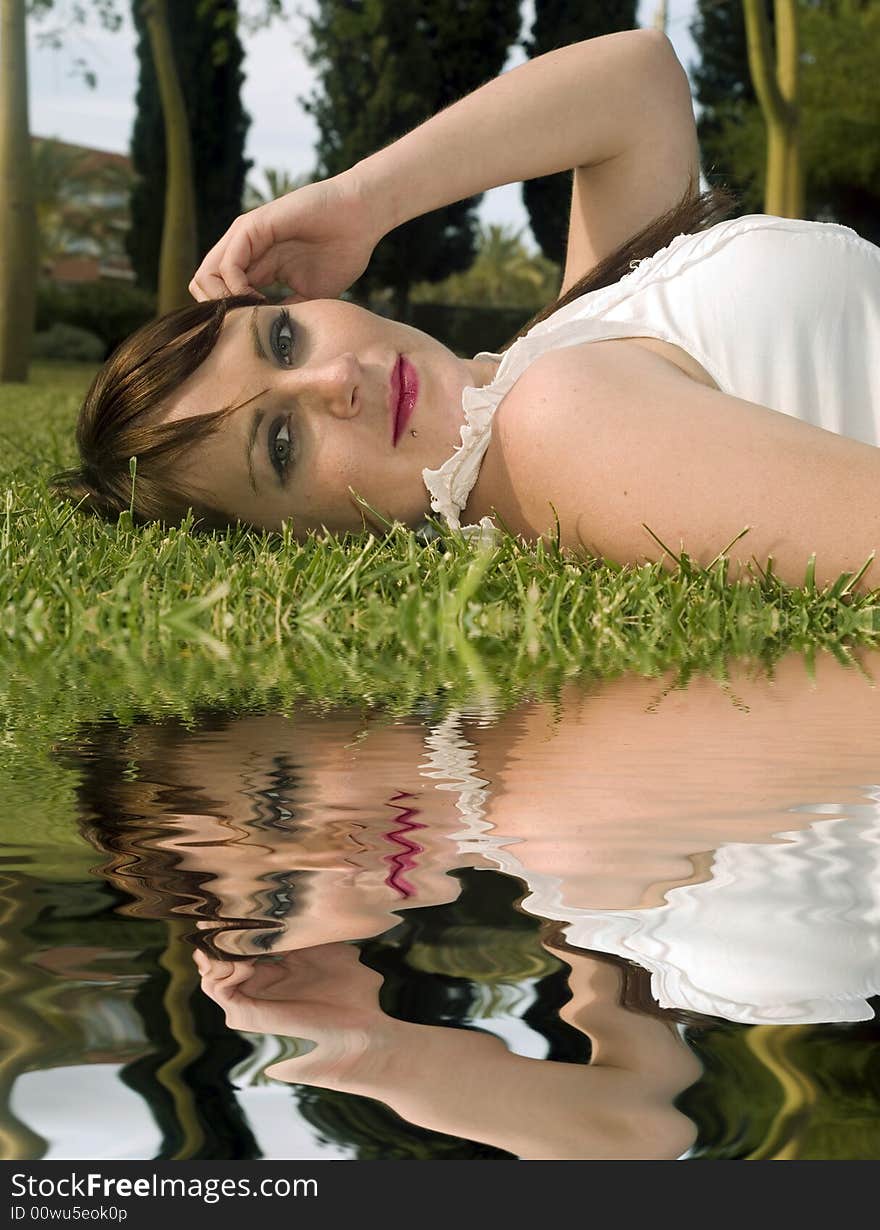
(616,107)
(614,437)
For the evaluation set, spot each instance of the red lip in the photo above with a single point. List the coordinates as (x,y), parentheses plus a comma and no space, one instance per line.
(404,393)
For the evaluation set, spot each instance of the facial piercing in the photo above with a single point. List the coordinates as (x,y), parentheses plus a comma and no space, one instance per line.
(413,433)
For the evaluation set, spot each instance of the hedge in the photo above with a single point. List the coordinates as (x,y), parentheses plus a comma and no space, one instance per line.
(111,310)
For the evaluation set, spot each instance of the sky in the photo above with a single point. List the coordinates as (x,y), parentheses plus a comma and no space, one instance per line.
(281,135)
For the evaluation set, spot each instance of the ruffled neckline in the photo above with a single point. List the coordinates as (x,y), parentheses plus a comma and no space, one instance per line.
(451,484)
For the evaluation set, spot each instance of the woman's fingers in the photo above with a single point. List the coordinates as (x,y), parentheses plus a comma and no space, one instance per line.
(208,286)
(318,240)
(224,270)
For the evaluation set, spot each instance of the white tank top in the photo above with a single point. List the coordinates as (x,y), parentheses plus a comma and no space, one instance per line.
(780,312)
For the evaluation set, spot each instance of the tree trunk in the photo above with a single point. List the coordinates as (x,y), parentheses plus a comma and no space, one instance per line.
(788,73)
(18,232)
(777,91)
(178,255)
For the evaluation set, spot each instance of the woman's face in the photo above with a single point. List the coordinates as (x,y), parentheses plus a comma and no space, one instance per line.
(318,412)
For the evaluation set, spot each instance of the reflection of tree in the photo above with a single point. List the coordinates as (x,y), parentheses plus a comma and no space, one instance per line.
(786,1091)
(184,1078)
(772,1046)
(23,1031)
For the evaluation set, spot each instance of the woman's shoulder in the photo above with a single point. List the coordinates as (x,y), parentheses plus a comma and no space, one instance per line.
(567,409)
(564,376)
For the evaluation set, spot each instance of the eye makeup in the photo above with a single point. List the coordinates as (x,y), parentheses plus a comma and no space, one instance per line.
(279,435)
(281,338)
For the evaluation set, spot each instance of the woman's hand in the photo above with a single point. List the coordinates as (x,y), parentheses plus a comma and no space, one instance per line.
(318,240)
(323,994)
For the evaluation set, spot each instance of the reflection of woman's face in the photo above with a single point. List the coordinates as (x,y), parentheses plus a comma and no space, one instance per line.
(372,834)
(321,414)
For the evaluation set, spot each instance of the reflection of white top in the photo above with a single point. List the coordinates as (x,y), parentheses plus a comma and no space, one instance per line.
(779,312)
(785,933)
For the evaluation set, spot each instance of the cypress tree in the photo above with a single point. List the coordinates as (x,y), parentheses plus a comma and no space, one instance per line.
(557,23)
(724,90)
(209,57)
(385,66)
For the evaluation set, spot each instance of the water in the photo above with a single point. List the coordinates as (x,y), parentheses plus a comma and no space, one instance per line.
(636,920)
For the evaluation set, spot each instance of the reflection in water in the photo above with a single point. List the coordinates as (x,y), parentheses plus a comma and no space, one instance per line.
(569,906)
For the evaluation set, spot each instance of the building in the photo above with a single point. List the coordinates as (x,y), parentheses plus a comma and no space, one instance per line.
(83,214)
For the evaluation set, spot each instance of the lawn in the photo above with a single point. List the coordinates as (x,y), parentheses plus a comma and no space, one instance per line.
(110,621)
(388,619)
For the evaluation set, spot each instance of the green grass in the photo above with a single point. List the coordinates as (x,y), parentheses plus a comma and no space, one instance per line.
(180,620)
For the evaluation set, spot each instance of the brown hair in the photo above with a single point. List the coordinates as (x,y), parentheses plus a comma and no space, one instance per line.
(117,421)
(130,804)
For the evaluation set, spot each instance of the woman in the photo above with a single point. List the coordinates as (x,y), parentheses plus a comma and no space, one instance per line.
(664,388)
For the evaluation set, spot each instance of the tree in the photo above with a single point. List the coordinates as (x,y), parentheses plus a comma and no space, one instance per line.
(841,132)
(840,49)
(18,266)
(208,57)
(178,249)
(558,22)
(777,91)
(504,274)
(723,88)
(384,66)
(18,240)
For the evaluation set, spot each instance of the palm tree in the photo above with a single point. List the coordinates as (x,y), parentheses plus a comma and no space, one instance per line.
(276,183)
(504,274)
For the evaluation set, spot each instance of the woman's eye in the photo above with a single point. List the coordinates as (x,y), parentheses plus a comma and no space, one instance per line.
(280,447)
(282,338)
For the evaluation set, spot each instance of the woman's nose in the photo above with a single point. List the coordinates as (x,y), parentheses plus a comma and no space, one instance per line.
(333,385)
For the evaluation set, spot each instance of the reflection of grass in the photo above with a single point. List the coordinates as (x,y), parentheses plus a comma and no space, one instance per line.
(113,619)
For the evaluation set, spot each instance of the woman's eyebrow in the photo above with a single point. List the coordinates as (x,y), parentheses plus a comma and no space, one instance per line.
(255,334)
